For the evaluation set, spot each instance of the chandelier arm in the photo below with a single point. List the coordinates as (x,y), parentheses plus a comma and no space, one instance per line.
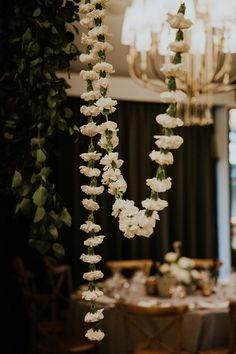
(221,72)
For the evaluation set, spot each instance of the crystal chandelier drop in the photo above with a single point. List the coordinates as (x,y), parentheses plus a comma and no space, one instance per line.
(212,40)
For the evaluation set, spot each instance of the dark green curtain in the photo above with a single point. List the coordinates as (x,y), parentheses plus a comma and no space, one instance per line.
(190,216)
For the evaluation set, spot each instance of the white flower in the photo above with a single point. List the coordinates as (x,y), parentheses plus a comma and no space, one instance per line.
(168,142)
(103,66)
(114,141)
(94,241)
(94,317)
(121,204)
(102,2)
(89,75)
(109,125)
(159,186)
(92,190)
(169,122)
(172,96)
(104,82)
(171,257)
(162,158)
(164,268)
(119,185)
(93,335)
(106,103)
(85,8)
(93,275)
(129,211)
(95,258)
(91,95)
(97,31)
(101,46)
(185,262)
(180,274)
(195,274)
(96,14)
(87,40)
(179,47)
(111,160)
(176,70)
(90,111)
(111,175)
(90,172)
(152,204)
(89,226)
(90,129)
(87,156)
(90,204)
(178,21)
(89,295)
(87,22)
(87,58)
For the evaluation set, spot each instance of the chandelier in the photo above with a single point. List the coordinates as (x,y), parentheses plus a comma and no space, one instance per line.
(212,40)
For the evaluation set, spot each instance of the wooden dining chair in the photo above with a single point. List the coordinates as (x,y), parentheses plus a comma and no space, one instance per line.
(158,341)
(231,347)
(207,264)
(131,265)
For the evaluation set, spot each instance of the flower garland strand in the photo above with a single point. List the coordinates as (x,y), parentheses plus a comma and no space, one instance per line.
(132,221)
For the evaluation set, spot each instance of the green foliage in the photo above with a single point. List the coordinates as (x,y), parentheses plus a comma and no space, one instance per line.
(36,41)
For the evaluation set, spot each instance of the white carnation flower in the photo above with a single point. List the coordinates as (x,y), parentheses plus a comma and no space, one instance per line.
(185,262)
(94,317)
(103,66)
(87,22)
(111,160)
(93,295)
(176,70)
(178,21)
(92,190)
(97,13)
(195,274)
(91,259)
(103,82)
(98,31)
(93,275)
(111,175)
(90,129)
(94,241)
(90,172)
(88,58)
(159,186)
(169,122)
(87,40)
(162,158)
(89,75)
(164,268)
(90,204)
(114,141)
(171,257)
(85,8)
(172,96)
(89,226)
(168,142)
(121,204)
(152,204)
(102,2)
(101,46)
(87,156)
(91,95)
(119,185)
(106,103)
(182,275)
(90,111)
(109,125)
(93,335)
(179,47)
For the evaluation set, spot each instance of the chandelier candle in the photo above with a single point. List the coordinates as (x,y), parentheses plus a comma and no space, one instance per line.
(132,220)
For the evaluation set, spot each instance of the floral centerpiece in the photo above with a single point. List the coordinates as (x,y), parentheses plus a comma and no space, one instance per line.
(179,270)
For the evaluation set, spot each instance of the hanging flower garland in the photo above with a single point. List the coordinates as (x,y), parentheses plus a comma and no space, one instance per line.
(132,221)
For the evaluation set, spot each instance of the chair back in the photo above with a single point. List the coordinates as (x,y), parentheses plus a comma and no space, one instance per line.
(167,335)
(134,264)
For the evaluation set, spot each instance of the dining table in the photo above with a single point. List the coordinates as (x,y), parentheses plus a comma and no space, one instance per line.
(205,324)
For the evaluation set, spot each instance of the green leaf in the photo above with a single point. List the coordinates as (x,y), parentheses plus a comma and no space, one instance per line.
(54,30)
(36,12)
(45,171)
(27,35)
(51,102)
(66,217)
(53,231)
(68,112)
(42,246)
(39,214)
(52,92)
(40,156)
(40,196)
(24,190)
(26,206)
(33,178)
(36,62)
(58,250)
(16,180)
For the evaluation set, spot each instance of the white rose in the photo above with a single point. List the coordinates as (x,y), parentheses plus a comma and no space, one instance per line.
(169,122)
(93,335)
